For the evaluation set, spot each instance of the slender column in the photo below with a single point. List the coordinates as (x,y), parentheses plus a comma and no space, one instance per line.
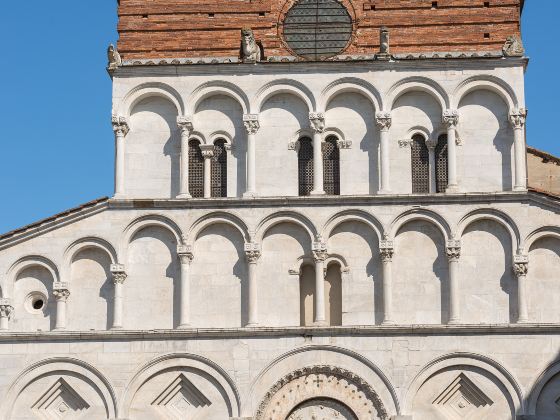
(384,121)
(517,119)
(61,294)
(252,126)
(119,276)
(317,121)
(185,126)
(121,128)
(521,268)
(453,251)
(386,249)
(186,256)
(6,311)
(320,255)
(207,153)
(451,119)
(431,144)
(253,253)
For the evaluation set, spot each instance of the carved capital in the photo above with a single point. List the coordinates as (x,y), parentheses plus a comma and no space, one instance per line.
(450,118)
(294,145)
(207,150)
(453,250)
(185,254)
(118,273)
(520,265)
(431,144)
(317,121)
(319,249)
(185,124)
(120,125)
(251,122)
(383,120)
(344,144)
(387,250)
(518,118)
(405,143)
(6,308)
(61,291)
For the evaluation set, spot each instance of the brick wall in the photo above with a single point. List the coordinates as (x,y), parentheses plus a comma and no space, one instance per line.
(191,28)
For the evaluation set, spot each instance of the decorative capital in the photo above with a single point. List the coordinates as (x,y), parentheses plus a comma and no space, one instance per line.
(383,120)
(251,122)
(450,118)
(387,250)
(453,250)
(6,308)
(319,251)
(185,254)
(294,145)
(317,120)
(120,125)
(344,144)
(431,143)
(185,124)
(118,272)
(61,291)
(207,150)
(520,265)
(518,118)
(405,143)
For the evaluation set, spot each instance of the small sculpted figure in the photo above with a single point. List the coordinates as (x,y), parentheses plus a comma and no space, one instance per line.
(250,51)
(113,57)
(513,47)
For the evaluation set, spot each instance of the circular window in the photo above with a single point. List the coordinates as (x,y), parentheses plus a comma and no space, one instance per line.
(317,29)
(35,302)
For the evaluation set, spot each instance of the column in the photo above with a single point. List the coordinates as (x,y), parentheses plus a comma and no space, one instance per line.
(320,255)
(453,251)
(119,276)
(384,121)
(252,253)
(431,144)
(386,249)
(61,294)
(451,119)
(6,311)
(517,119)
(521,268)
(252,126)
(185,126)
(186,256)
(317,121)
(121,128)
(207,153)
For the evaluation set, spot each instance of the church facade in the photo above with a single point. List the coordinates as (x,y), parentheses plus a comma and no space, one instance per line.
(321,211)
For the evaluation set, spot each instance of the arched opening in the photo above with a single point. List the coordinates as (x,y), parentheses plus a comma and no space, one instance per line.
(333,295)
(441,166)
(420,165)
(307,295)
(34,302)
(305,166)
(331,166)
(219,169)
(196,170)
(325,408)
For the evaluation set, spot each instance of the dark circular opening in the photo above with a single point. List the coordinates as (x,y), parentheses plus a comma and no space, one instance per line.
(38,304)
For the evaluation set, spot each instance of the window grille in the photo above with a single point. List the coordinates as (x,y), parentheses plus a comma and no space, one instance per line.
(420,165)
(219,169)
(331,166)
(305,166)
(196,170)
(441,164)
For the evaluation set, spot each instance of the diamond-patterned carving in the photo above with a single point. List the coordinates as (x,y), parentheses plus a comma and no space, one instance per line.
(462,399)
(181,399)
(61,401)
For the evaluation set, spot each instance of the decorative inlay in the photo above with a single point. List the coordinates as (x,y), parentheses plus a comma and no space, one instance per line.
(61,401)
(462,399)
(181,399)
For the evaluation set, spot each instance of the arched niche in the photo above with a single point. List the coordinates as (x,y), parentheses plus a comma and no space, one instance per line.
(543,291)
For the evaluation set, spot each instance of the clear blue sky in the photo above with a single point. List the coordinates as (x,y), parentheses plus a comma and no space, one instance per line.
(56,142)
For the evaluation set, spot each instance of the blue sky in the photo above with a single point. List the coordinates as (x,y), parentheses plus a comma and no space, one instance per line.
(56,142)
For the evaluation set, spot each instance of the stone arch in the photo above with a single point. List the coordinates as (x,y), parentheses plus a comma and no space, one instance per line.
(354,85)
(215,218)
(221,134)
(485,82)
(460,360)
(84,243)
(491,214)
(60,366)
(147,90)
(279,86)
(547,375)
(22,264)
(418,84)
(536,235)
(191,363)
(218,87)
(285,217)
(302,361)
(429,216)
(352,216)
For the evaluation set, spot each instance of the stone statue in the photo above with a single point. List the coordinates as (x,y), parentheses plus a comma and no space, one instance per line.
(513,47)
(384,53)
(250,51)
(114,58)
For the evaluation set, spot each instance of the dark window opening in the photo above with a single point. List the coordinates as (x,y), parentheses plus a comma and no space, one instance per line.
(196,170)
(441,164)
(420,166)
(305,166)
(331,166)
(219,169)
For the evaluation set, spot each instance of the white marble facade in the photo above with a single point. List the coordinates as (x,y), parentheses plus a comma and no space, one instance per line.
(375,304)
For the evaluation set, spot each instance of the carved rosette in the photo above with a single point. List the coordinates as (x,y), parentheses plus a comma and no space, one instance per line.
(317,121)
(185,254)
(252,124)
(450,118)
(185,125)
(61,291)
(6,308)
(518,118)
(383,120)
(521,265)
(319,250)
(120,125)
(316,382)
(118,273)
(453,250)
(387,250)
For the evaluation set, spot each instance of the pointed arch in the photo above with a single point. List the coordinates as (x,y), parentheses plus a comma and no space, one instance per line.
(279,86)
(146,90)
(417,84)
(285,217)
(426,215)
(214,88)
(351,85)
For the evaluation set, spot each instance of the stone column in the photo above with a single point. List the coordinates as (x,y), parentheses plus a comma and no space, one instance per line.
(431,144)
(186,256)
(517,119)
(384,121)
(521,268)
(317,121)
(320,255)
(61,294)
(451,119)
(207,153)
(387,250)
(453,251)
(252,126)
(185,126)
(119,276)
(252,253)
(121,129)
(6,311)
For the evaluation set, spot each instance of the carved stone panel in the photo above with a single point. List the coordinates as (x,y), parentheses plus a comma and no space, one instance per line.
(60,401)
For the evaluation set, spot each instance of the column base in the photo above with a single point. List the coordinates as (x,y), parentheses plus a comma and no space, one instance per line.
(119,196)
(252,325)
(116,328)
(454,322)
(317,192)
(184,196)
(320,324)
(389,322)
(523,321)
